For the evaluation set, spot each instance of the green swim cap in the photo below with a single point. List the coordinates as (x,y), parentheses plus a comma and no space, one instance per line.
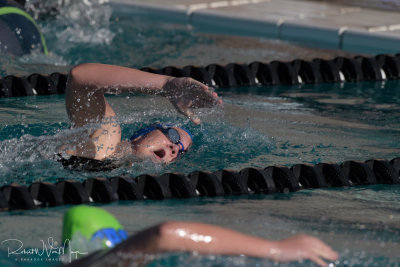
(92,222)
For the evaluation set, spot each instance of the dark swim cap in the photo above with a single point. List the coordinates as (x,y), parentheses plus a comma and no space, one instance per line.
(19,33)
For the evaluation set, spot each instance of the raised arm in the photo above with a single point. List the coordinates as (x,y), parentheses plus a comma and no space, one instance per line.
(85,101)
(209,239)
(87,84)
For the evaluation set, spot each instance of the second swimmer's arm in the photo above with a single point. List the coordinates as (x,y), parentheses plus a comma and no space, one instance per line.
(210,239)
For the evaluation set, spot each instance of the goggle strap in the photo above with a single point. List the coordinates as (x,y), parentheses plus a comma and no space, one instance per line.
(182,149)
(143,132)
(112,235)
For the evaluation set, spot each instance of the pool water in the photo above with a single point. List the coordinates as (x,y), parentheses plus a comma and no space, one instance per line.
(259,127)
(80,33)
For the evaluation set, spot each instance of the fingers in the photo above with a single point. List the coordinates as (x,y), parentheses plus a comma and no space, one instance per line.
(216,98)
(318,260)
(201,94)
(328,253)
(188,113)
(306,247)
(323,250)
(195,120)
(320,251)
(207,97)
(187,94)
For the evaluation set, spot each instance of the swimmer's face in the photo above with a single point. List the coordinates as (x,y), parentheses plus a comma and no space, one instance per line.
(157,147)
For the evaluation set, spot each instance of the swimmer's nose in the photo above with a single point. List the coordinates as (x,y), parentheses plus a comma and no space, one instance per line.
(174,149)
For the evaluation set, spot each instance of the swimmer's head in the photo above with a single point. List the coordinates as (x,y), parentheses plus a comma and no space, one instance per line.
(161,143)
(94,224)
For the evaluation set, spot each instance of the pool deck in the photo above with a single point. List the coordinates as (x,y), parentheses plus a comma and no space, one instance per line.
(322,24)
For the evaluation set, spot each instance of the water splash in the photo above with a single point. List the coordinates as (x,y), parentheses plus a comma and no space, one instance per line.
(82,22)
(31,147)
(69,24)
(37,57)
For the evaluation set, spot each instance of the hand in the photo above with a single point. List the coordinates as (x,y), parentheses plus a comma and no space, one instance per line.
(301,247)
(186,94)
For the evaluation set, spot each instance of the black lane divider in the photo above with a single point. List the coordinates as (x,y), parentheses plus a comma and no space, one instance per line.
(270,180)
(340,69)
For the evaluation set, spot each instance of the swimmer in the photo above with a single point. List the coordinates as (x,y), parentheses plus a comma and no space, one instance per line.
(96,223)
(86,105)
(19,33)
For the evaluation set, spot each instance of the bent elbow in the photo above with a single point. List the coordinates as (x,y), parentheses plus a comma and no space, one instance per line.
(79,73)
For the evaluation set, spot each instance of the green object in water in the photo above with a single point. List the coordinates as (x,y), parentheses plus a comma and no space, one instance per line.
(92,223)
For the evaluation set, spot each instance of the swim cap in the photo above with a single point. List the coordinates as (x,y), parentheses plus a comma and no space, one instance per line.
(93,223)
(19,32)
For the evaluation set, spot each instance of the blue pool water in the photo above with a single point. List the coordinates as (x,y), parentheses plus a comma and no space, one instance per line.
(259,126)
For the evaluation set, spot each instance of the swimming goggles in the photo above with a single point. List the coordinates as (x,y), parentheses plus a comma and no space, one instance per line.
(169,132)
(111,236)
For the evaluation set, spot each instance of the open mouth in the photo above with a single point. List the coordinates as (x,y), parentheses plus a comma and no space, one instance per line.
(160,153)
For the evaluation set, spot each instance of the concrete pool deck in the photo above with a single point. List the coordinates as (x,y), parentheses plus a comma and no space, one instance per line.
(320,24)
